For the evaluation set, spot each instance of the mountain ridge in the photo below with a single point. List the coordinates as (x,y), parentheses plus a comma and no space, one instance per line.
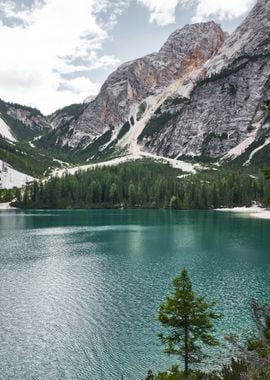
(203,95)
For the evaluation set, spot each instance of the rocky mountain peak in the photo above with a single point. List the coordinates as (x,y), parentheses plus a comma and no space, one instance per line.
(206,37)
(185,51)
(225,113)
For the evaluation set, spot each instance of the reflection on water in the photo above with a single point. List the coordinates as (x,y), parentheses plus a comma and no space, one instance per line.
(80,289)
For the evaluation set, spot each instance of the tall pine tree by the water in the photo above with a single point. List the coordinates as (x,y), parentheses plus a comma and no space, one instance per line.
(189,321)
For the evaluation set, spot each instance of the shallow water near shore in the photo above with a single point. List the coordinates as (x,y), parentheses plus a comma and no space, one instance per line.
(80,289)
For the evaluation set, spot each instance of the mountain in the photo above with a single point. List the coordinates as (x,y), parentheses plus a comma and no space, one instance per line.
(64,115)
(204,94)
(137,85)
(19,122)
(20,159)
(20,126)
(59,123)
(226,111)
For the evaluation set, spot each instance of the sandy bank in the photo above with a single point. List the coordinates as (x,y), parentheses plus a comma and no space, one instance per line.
(6,206)
(253,211)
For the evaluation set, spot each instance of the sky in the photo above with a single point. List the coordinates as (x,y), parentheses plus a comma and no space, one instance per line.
(58,52)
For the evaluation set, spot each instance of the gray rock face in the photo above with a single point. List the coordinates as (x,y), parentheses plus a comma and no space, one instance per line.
(227,105)
(185,51)
(32,119)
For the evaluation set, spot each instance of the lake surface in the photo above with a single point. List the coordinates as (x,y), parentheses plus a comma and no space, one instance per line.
(80,289)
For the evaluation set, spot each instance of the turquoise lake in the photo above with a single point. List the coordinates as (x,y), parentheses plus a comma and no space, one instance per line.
(80,290)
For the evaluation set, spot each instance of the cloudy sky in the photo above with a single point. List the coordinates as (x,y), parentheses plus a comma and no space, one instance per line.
(58,52)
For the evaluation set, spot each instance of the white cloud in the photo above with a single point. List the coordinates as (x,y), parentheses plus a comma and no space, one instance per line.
(163,11)
(221,10)
(38,50)
(82,85)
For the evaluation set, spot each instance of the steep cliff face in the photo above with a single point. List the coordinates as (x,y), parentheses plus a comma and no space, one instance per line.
(227,105)
(179,60)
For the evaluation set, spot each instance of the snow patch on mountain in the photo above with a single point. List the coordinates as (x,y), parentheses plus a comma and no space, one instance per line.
(5,131)
(239,149)
(181,165)
(252,154)
(10,177)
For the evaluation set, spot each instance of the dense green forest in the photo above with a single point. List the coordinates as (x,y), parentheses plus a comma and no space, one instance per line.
(146,184)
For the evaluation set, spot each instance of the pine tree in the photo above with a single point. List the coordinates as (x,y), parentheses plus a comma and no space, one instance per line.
(261,317)
(113,194)
(150,375)
(189,320)
(132,194)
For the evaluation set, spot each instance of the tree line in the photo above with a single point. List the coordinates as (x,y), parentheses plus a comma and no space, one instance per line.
(146,184)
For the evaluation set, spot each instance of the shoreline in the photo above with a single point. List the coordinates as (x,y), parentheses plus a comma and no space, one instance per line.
(253,211)
(6,206)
